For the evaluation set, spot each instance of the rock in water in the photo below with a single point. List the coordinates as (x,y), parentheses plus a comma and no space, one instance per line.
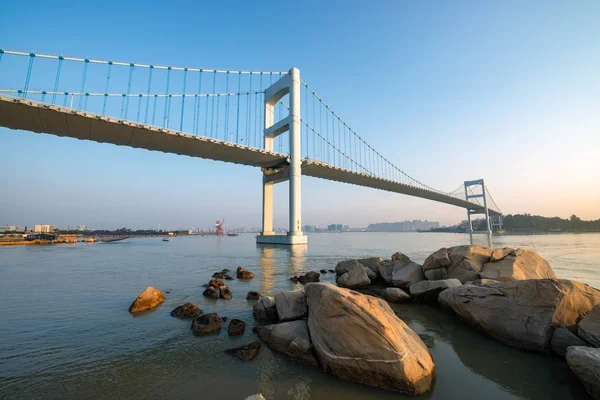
(310,276)
(517,265)
(290,338)
(211,292)
(236,327)
(255,397)
(215,282)
(359,338)
(351,274)
(205,324)
(461,262)
(252,295)
(243,274)
(224,292)
(265,309)
(522,314)
(291,305)
(431,289)
(218,275)
(149,298)
(186,311)
(228,277)
(589,327)
(247,352)
(585,364)
(562,338)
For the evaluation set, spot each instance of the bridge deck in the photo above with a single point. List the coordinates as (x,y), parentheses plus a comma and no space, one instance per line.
(31,116)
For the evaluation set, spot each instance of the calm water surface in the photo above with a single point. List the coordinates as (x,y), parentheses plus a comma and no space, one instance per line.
(65,331)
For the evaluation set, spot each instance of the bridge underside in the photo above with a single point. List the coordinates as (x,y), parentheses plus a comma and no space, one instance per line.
(22,114)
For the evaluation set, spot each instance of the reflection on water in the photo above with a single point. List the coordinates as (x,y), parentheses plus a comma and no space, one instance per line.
(66,332)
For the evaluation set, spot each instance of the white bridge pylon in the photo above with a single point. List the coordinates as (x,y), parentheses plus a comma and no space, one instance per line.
(288,84)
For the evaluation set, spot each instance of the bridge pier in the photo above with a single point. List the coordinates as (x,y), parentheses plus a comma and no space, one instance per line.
(285,171)
(469,194)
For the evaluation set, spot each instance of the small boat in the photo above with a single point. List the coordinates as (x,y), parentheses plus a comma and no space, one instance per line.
(110,239)
(233,234)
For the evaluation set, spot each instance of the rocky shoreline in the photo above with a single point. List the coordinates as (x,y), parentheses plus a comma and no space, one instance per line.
(350,330)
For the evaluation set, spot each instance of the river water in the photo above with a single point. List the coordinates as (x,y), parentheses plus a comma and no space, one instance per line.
(65,331)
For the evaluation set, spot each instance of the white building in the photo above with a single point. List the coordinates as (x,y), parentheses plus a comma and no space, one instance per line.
(8,228)
(43,228)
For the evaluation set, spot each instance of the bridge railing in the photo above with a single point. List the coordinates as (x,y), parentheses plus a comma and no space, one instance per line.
(220,104)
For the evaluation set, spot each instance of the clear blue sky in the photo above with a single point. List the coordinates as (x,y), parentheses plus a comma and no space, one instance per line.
(448,91)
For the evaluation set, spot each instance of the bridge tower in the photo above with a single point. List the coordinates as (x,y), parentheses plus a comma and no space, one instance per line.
(289,170)
(471,194)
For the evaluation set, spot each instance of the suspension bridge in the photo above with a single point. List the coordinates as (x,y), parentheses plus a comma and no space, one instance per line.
(226,115)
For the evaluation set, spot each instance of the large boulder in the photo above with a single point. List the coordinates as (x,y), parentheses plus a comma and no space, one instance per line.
(461,262)
(562,338)
(148,299)
(186,311)
(392,294)
(290,338)
(400,271)
(589,327)
(372,265)
(431,289)
(407,275)
(291,305)
(265,309)
(517,265)
(499,254)
(585,364)
(359,338)
(205,324)
(522,314)
(351,274)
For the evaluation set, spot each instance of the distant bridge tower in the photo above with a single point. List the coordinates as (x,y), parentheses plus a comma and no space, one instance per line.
(286,171)
(474,194)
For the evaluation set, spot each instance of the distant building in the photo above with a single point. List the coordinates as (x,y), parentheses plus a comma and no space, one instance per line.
(310,228)
(334,228)
(404,226)
(81,228)
(43,228)
(8,228)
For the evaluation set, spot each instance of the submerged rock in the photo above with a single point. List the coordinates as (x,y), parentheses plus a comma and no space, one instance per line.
(228,277)
(589,327)
(246,352)
(149,298)
(461,262)
(291,305)
(252,295)
(585,364)
(522,314)
(562,338)
(205,324)
(265,309)
(186,311)
(323,271)
(359,338)
(236,327)
(290,338)
(351,274)
(218,275)
(517,265)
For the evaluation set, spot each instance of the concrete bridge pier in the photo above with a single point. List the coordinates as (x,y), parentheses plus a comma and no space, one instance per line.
(284,171)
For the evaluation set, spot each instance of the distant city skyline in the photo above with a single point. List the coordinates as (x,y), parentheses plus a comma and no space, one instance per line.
(447,93)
